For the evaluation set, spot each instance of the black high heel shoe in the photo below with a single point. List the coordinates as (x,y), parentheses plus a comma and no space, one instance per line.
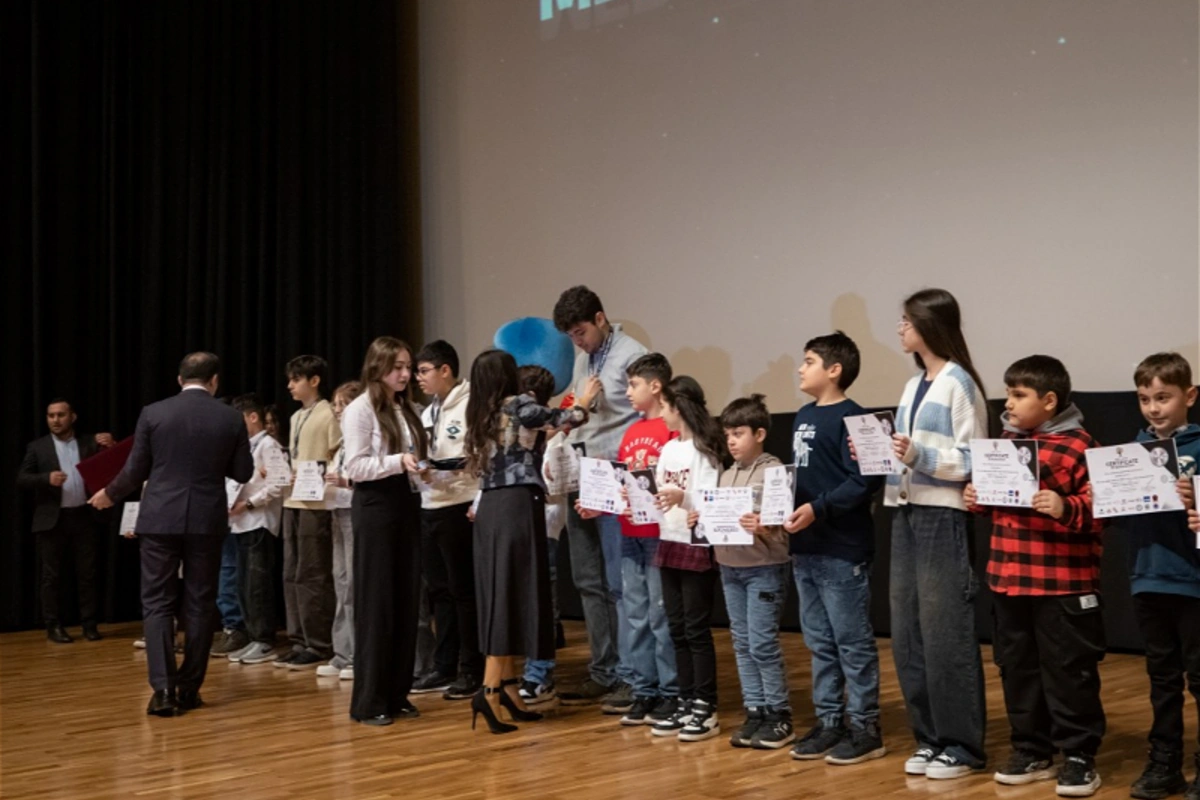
(480,705)
(518,713)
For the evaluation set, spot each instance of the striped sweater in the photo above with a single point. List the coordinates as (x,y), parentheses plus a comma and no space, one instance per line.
(938,464)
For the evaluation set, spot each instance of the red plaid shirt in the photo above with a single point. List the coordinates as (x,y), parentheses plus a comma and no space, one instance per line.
(1034,554)
(677,555)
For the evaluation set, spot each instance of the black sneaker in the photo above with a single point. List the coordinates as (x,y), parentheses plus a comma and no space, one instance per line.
(1023,768)
(1193,789)
(703,723)
(1162,777)
(432,682)
(862,744)
(775,732)
(618,701)
(285,659)
(462,689)
(306,659)
(639,712)
(754,720)
(1078,777)
(818,742)
(537,693)
(664,707)
(671,726)
(588,692)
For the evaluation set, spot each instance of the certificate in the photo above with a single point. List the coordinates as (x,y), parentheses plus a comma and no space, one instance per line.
(1134,478)
(721,512)
(778,495)
(600,486)
(561,468)
(1196,500)
(232,490)
(310,481)
(871,435)
(129,515)
(279,471)
(1005,472)
(641,489)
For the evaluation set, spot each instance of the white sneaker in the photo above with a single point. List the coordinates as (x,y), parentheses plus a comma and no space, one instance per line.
(946,767)
(329,670)
(346,673)
(236,656)
(140,643)
(704,723)
(918,762)
(257,653)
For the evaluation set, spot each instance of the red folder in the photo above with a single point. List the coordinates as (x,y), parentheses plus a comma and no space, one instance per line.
(99,470)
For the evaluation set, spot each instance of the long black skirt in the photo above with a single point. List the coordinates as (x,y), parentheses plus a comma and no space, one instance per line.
(512,574)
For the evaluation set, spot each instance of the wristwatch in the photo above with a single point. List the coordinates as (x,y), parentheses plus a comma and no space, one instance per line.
(249,505)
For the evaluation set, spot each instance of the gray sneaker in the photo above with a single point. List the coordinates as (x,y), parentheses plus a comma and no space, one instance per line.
(588,692)
(230,641)
(619,701)
(257,653)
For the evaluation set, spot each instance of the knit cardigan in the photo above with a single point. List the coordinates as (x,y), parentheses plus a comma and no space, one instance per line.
(938,464)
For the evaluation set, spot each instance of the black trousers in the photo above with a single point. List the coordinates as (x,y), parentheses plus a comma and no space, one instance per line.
(387,584)
(256,583)
(688,600)
(73,533)
(448,562)
(1170,626)
(193,599)
(1049,649)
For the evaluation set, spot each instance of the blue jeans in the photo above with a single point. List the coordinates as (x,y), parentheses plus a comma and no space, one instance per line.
(596,569)
(227,586)
(754,598)
(835,617)
(542,670)
(647,646)
(933,586)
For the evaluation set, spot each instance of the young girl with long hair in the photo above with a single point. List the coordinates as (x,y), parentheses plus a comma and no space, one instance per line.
(691,462)
(383,438)
(506,436)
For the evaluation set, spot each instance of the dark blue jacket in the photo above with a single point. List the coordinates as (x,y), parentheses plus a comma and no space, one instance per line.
(1162,549)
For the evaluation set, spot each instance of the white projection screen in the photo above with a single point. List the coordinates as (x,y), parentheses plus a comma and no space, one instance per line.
(734,178)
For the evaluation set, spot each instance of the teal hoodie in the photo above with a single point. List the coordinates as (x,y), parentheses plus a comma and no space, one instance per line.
(1163,557)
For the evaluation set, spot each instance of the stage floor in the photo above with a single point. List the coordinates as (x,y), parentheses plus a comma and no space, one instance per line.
(73,725)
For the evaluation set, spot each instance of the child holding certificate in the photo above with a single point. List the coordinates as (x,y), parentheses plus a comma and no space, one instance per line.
(1044,573)
(688,463)
(1165,579)
(832,547)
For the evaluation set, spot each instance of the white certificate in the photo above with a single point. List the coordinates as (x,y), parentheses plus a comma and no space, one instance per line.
(1196,500)
(641,489)
(129,515)
(560,467)
(600,486)
(778,495)
(721,512)
(1134,478)
(1005,472)
(871,435)
(232,490)
(279,471)
(310,481)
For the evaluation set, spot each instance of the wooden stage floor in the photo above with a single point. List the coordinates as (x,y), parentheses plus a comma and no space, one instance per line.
(73,725)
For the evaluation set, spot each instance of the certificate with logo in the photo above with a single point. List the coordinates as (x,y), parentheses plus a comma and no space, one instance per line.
(778,495)
(721,512)
(641,489)
(279,471)
(600,486)
(1005,472)
(310,481)
(1134,478)
(560,466)
(129,515)
(871,435)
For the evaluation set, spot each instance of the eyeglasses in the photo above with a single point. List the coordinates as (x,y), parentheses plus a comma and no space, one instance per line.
(903,324)
(423,371)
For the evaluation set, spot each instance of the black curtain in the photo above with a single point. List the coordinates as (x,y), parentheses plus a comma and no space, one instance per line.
(239,177)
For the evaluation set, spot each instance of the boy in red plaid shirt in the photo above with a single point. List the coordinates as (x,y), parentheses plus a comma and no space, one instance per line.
(1044,573)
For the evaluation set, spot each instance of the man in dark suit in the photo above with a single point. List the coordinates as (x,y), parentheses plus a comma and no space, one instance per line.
(184,449)
(62,521)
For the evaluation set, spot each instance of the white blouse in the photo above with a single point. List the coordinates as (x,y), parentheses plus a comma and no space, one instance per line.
(367,458)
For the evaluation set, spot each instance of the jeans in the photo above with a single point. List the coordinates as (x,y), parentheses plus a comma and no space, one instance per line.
(1170,626)
(647,645)
(687,597)
(754,598)
(835,618)
(227,586)
(933,587)
(255,582)
(343,585)
(596,569)
(542,670)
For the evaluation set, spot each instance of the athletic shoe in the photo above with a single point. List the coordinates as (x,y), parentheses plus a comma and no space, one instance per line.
(535,694)
(1078,777)
(919,761)
(287,658)
(863,743)
(704,723)
(464,688)
(818,742)
(754,720)
(618,701)
(588,692)
(257,653)
(236,655)
(639,712)
(1162,777)
(671,726)
(306,659)
(775,732)
(432,682)
(946,767)
(347,673)
(1024,767)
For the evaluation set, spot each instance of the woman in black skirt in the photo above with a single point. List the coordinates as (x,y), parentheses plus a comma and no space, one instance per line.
(506,434)
(383,439)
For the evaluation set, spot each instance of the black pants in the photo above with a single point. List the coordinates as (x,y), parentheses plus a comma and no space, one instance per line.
(256,583)
(193,599)
(1170,626)
(1048,649)
(309,599)
(387,583)
(447,557)
(73,533)
(688,600)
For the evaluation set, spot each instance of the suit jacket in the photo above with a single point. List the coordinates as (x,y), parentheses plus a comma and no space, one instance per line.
(40,460)
(184,448)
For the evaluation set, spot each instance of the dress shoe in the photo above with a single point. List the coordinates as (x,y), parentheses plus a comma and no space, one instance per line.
(162,704)
(90,632)
(58,634)
(407,711)
(189,699)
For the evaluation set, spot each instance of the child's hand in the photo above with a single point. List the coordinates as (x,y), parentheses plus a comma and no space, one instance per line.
(471,513)
(969,495)
(585,513)
(853,457)
(749,523)
(1194,519)
(238,509)
(669,497)
(800,519)
(1048,503)
(592,388)
(900,445)
(410,462)
(1186,493)
(693,518)
(262,471)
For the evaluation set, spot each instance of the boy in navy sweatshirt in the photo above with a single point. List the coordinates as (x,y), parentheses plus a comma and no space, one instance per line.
(1164,576)
(832,547)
